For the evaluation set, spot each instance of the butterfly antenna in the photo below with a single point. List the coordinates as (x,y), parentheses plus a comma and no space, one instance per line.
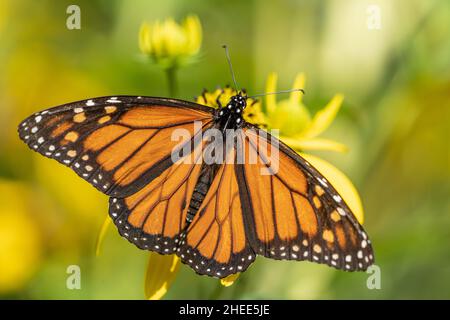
(277,92)
(231,66)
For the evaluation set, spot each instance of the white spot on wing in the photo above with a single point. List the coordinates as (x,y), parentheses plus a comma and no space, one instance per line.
(341,211)
(323,182)
(113,100)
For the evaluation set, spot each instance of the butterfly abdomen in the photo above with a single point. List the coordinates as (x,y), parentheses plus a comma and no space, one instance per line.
(201,189)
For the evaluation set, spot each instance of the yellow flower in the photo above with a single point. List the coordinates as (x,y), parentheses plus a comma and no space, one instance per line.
(300,130)
(170,44)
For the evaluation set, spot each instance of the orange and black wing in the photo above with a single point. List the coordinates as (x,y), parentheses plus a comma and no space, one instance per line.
(293,212)
(216,242)
(154,218)
(118,144)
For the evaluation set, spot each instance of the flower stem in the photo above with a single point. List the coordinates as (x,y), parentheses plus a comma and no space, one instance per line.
(172,81)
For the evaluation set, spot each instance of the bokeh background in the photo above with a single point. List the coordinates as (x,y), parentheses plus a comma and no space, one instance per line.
(395,119)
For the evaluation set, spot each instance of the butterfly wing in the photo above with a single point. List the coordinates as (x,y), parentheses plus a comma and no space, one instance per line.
(154,217)
(216,241)
(294,212)
(118,144)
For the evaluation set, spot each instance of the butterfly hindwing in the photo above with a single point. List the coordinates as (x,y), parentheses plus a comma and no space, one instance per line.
(118,144)
(216,243)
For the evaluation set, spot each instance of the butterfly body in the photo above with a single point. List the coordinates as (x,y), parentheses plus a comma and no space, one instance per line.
(200,190)
(217,217)
(230,115)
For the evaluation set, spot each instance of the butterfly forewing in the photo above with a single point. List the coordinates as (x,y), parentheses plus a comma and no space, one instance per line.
(154,217)
(118,144)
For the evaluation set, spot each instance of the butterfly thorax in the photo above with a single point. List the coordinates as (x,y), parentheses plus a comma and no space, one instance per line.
(230,115)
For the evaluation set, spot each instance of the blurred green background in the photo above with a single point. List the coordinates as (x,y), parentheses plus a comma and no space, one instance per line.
(395,120)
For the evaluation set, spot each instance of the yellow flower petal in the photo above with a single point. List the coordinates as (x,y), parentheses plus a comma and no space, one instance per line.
(299,83)
(271,86)
(290,118)
(340,182)
(144,38)
(193,29)
(156,39)
(323,118)
(301,144)
(175,39)
(101,235)
(161,272)
(228,281)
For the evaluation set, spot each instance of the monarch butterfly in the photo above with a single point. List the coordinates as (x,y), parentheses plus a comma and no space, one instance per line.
(216,217)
